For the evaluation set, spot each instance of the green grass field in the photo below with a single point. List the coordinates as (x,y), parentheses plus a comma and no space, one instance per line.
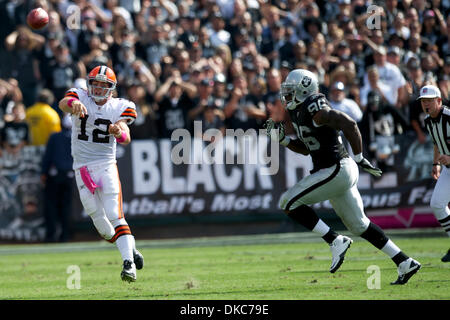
(291,266)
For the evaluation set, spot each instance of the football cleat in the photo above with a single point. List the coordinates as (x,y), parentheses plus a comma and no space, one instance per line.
(406,270)
(138,259)
(446,258)
(129,271)
(339,247)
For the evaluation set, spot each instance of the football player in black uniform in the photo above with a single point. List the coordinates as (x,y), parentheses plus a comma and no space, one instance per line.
(334,176)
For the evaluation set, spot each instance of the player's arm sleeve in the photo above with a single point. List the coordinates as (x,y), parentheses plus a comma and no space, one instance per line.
(129,113)
(72,93)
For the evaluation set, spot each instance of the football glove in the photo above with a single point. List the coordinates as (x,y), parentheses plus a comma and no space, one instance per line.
(270,124)
(368,167)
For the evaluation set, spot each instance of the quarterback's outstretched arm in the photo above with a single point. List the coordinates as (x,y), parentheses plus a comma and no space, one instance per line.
(120,131)
(73,106)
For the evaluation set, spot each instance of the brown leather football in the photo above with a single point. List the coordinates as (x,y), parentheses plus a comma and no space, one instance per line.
(37,18)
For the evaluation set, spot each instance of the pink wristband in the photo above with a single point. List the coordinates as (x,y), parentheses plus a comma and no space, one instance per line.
(122,138)
(69,102)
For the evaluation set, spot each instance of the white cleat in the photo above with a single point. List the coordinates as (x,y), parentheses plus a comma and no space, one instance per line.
(406,270)
(338,248)
(129,271)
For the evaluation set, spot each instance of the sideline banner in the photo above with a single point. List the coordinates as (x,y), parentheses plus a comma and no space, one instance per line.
(154,186)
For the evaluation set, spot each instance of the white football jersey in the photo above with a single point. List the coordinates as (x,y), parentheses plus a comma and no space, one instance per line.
(91,142)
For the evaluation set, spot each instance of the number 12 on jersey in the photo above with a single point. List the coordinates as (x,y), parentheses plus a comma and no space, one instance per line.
(98,135)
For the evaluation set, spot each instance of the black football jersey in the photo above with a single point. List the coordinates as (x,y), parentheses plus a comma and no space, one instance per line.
(323,142)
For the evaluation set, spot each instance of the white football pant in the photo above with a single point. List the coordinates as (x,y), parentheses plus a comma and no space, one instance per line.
(105,205)
(338,184)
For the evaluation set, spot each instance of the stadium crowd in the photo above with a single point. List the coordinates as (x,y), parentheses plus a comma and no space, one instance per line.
(222,61)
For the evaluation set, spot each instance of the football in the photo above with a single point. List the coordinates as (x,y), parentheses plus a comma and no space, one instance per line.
(37,18)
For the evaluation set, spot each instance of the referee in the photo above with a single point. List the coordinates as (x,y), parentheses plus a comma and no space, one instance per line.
(437,123)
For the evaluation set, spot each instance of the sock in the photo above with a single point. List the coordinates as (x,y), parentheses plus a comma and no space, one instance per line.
(399,258)
(378,239)
(305,216)
(375,236)
(125,244)
(330,236)
(325,231)
(391,249)
(308,218)
(445,223)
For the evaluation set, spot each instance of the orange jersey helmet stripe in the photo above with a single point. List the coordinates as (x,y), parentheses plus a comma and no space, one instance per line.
(129,113)
(71,94)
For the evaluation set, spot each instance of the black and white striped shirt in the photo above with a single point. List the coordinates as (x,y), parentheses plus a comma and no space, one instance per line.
(439,129)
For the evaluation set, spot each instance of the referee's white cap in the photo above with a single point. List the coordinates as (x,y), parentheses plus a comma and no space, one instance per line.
(429,91)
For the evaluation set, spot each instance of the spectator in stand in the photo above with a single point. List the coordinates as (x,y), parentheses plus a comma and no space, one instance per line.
(146,124)
(174,99)
(98,54)
(62,71)
(212,118)
(394,56)
(10,95)
(57,177)
(375,84)
(379,125)
(15,131)
(273,79)
(132,69)
(444,41)
(240,111)
(339,102)
(220,91)
(444,81)
(153,45)
(42,119)
(22,63)
(276,47)
(203,99)
(89,29)
(433,25)
(218,35)
(391,76)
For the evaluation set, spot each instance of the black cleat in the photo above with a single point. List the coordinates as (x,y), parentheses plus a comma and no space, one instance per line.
(138,259)
(406,270)
(446,258)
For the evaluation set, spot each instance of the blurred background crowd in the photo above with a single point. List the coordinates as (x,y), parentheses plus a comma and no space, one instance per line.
(222,61)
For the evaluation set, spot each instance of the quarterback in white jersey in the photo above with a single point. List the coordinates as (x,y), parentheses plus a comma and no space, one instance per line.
(99,122)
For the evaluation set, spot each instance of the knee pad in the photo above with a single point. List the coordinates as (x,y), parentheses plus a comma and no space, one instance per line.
(283,201)
(286,203)
(440,211)
(112,203)
(103,225)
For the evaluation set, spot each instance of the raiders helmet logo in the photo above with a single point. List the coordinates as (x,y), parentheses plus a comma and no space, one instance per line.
(306,81)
